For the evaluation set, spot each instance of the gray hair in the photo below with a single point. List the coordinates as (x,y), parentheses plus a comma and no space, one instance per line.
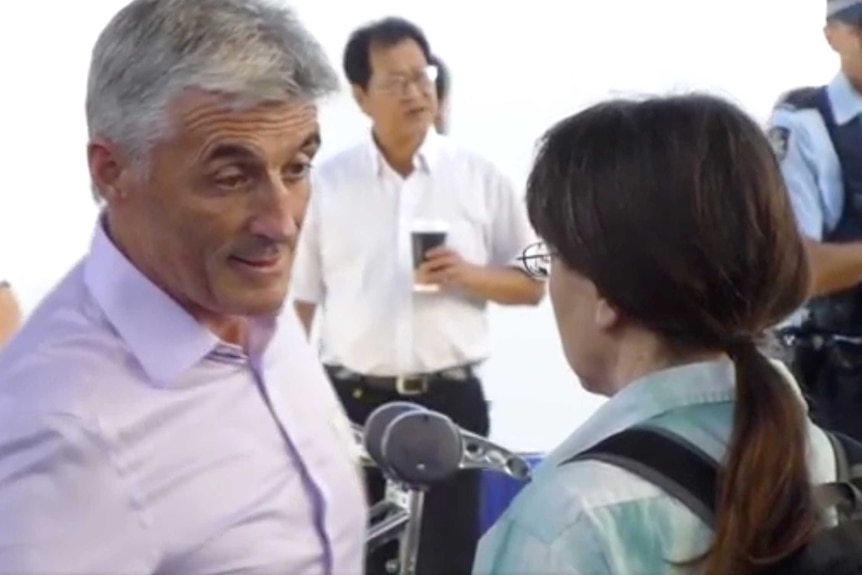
(152,50)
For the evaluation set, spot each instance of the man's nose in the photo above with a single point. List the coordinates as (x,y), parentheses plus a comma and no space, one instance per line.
(413,91)
(279,213)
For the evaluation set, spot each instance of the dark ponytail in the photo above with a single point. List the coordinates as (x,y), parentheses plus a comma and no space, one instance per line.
(765,508)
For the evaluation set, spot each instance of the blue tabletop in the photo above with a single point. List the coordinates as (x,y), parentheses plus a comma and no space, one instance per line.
(498,491)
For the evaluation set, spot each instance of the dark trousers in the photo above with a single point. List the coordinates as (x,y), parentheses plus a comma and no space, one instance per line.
(831,378)
(450,523)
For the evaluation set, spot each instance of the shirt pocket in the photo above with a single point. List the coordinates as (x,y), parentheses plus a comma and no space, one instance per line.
(469,233)
(352,240)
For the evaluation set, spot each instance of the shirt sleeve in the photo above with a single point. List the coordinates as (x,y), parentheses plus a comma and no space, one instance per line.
(796,154)
(511,231)
(63,507)
(307,283)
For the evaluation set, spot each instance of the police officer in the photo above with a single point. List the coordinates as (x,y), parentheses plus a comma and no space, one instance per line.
(817,136)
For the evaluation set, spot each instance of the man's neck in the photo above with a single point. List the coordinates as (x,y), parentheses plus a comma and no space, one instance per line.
(399,152)
(229,329)
(854,77)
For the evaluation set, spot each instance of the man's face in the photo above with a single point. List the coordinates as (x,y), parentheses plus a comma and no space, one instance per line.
(400,97)
(214,221)
(846,39)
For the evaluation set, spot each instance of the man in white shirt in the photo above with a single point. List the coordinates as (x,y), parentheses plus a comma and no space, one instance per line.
(159,415)
(382,339)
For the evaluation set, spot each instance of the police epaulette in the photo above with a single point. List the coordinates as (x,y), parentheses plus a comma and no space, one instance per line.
(799,98)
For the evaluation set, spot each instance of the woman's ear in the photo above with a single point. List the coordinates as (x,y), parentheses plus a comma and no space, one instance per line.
(606,315)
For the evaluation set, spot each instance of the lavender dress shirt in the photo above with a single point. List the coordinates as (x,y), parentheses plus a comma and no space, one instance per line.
(133,441)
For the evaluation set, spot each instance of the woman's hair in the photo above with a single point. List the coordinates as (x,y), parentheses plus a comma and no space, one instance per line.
(675,208)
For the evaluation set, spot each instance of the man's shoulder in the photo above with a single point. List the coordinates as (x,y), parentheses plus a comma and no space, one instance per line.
(63,350)
(457,151)
(348,159)
(796,116)
(333,173)
(797,99)
(796,108)
(462,160)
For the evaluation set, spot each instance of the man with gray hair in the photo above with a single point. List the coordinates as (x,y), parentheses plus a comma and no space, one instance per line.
(158,413)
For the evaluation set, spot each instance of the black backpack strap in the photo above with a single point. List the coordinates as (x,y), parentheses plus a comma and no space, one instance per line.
(685,472)
(667,461)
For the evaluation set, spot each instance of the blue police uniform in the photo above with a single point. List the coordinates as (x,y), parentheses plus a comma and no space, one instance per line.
(817,137)
(809,160)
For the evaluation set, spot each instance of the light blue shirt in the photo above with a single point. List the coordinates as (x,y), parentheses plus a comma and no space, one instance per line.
(591,518)
(810,165)
(133,441)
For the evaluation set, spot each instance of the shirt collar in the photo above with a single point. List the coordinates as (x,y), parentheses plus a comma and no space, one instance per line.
(655,394)
(164,338)
(846,101)
(425,158)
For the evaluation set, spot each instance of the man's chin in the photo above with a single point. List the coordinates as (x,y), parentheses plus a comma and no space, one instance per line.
(257,303)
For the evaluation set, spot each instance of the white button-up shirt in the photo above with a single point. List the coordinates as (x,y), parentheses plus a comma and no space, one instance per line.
(354,256)
(133,441)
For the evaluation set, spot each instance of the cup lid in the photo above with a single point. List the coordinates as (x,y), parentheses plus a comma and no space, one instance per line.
(438,226)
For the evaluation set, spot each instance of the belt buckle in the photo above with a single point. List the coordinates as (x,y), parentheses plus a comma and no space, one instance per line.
(403,388)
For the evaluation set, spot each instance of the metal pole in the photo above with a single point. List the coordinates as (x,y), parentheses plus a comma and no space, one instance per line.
(409,548)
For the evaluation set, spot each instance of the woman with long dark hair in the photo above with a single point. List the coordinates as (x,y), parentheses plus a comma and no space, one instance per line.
(672,247)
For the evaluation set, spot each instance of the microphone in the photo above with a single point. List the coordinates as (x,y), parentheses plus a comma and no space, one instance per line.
(413,445)
(417,446)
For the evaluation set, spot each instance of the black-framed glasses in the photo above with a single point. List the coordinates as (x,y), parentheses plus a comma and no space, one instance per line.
(399,84)
(536,260)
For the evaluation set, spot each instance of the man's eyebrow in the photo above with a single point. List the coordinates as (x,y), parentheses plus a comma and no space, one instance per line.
(312,142)
(229,150)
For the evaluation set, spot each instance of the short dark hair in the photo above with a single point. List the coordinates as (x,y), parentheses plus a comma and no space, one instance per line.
(386,32)
(676,210)
(443,82)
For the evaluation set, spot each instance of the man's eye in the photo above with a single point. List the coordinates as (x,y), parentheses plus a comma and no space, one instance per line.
(232,179)
(297,171)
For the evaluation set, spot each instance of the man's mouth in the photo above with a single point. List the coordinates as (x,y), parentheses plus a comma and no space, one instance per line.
(261,263)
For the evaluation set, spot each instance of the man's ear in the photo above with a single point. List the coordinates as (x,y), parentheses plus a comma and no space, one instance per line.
(361,97)
(107,167)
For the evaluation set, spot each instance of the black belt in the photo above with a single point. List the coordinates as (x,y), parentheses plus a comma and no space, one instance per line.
(403,385)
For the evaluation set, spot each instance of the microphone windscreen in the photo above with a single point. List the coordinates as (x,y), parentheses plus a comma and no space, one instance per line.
(376,424)
(422,447)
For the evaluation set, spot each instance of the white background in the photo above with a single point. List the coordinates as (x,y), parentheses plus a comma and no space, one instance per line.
(516,69)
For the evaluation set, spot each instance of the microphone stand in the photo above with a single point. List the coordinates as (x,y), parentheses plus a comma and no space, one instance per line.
(398,516)
(408,547)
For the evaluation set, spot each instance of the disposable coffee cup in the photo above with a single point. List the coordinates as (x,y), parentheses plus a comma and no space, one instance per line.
(425,236)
